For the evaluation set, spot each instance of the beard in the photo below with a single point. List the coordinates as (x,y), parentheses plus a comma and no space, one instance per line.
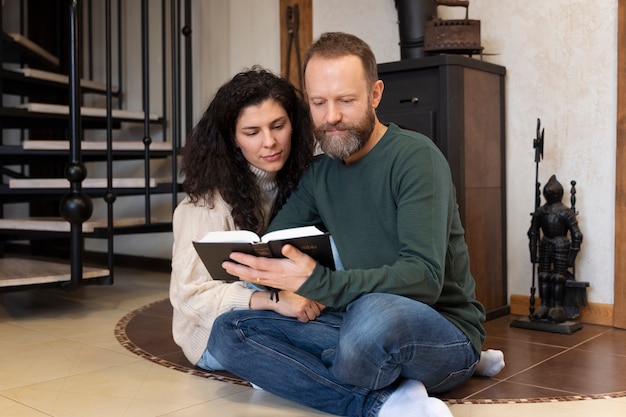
(351,141)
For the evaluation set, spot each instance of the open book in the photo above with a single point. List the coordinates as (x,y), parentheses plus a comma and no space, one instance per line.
(215,247)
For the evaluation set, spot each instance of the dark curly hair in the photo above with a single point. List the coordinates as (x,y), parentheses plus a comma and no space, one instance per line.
(213,163)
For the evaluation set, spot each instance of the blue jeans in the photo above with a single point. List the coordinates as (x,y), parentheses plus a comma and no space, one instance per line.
(345,363)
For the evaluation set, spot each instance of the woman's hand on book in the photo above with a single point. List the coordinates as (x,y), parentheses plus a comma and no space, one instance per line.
(290,305)
(287,273)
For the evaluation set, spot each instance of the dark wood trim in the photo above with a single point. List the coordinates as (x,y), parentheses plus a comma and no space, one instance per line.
(130,261)
(92,258)
(620,175)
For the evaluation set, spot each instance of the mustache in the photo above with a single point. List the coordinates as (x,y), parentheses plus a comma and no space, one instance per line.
(327,126)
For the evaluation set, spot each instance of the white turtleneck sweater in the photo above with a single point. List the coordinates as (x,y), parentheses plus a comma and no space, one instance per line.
(196,298)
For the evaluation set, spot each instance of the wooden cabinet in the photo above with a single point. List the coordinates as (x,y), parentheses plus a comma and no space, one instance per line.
(459,103)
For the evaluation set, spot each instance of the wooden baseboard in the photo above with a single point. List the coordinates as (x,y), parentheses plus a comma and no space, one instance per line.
(594,313)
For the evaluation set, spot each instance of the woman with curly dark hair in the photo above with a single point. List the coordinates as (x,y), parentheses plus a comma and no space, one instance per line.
(240,163)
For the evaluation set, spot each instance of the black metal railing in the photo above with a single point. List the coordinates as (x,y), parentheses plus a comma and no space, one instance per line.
(75,206)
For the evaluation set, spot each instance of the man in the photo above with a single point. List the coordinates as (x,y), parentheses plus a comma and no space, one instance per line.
(401,319)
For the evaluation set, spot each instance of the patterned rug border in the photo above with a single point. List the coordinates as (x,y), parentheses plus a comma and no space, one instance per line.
(122,338)
(619,394)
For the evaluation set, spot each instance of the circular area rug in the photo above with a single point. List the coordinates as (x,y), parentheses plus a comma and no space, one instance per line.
(147,332)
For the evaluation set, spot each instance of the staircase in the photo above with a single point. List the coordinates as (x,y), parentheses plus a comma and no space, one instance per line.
(71,129)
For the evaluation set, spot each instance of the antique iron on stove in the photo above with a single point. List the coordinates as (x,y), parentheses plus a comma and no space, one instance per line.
(455,36)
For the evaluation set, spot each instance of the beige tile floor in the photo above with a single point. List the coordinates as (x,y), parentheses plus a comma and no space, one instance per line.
(59,357)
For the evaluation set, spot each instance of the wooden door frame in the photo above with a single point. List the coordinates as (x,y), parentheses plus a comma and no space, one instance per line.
(305,37)
(619,292)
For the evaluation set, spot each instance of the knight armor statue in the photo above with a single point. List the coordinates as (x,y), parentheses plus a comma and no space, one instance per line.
(551,223)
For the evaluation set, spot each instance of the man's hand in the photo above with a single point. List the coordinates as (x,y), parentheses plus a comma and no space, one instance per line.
(290,305)
(287,273)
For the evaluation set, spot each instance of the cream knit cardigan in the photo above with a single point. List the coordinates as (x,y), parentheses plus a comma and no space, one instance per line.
(197,299)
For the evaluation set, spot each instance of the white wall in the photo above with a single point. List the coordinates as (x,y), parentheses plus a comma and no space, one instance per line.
(560,57)
(230,37)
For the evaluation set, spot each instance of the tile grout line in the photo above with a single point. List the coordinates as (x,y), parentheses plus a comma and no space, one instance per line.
(565,350)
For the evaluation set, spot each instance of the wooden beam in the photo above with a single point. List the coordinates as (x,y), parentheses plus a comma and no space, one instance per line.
(619,292)
(304,38)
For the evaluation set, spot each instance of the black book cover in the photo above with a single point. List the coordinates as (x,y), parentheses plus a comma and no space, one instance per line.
(213,254)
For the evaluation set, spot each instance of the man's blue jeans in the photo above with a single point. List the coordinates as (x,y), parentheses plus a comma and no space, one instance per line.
(345,363)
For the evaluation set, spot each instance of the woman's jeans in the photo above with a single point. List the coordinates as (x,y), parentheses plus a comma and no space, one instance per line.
(345,363)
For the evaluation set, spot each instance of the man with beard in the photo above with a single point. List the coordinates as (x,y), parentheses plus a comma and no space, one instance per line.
(400,320)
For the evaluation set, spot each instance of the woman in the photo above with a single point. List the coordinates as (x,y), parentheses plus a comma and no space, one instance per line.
(241,162)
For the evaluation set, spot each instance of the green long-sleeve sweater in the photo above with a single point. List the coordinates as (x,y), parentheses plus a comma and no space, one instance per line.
(394,217)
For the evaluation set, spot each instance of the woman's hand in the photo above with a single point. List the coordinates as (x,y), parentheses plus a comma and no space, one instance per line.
(290,305)
(287,273)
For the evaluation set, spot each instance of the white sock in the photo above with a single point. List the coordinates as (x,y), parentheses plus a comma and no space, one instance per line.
(410,399)
(491,362)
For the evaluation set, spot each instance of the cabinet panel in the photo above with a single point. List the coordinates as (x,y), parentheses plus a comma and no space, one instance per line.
(420,121)
(403,92)
(483,136)
(486,245)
